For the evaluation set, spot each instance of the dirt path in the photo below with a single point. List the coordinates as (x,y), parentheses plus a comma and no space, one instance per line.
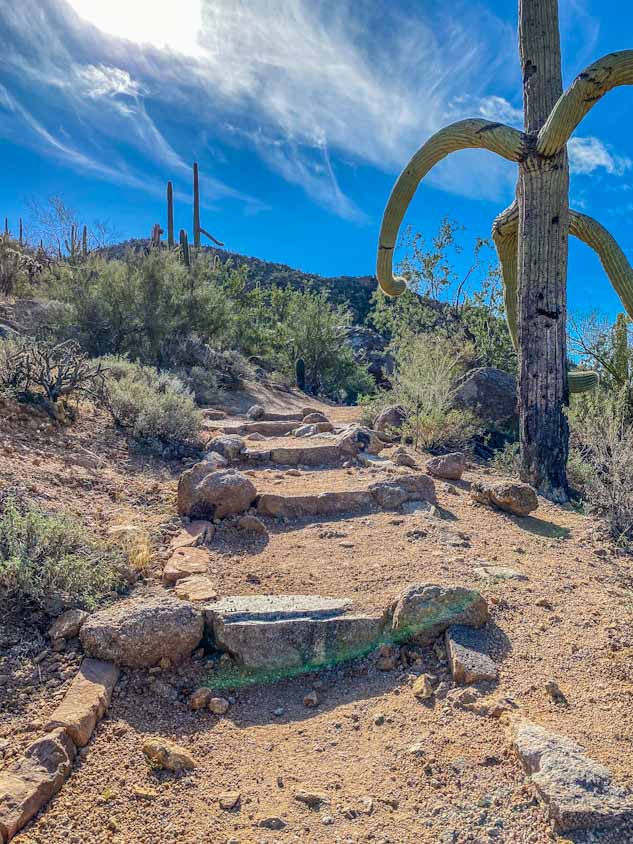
(392,769)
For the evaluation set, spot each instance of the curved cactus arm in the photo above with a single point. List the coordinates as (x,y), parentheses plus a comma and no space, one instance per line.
(615,263)
(585,91)
(505,235)
(613,259)
(465,134)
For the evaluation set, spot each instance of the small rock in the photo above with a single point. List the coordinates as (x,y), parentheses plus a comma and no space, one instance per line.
(513,497)
(311,700)
(252,524)
(167,755)
(468,662)
(402,457)
(219,705)
(554,691)
(312,799)
(68,625)
(255,413)
(200,698)
(422,688)
(449,466)
(272,823)
(229,800)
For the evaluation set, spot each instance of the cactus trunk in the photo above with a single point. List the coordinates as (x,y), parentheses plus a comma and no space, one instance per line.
(170,215)
(21,233)
(84,242)
(196,208)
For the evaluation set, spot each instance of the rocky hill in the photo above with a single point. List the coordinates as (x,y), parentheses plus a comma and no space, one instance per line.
(353,291)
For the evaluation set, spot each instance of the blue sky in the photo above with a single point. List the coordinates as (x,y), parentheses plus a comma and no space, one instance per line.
(301,113)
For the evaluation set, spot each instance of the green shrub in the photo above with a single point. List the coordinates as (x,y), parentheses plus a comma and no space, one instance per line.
(427,370)
(150,405)
(46,559)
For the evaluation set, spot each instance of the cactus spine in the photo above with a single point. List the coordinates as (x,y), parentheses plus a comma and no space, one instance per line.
(184,248)
(196,207)
(300,372)
(170,215)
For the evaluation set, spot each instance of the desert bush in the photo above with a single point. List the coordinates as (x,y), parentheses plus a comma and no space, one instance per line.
(46,373)
(152,406)
(508,460)
(48,559)
(427,370)
(601,459)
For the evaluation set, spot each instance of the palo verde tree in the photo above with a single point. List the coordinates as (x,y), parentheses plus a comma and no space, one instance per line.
(531,236)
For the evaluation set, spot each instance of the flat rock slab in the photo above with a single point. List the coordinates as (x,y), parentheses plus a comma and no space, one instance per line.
(309,455)
(29,784)
(578,792)
(192,535)
(323,504)
(277,633)
(469,663)
(275,607)
(196,589)
(86,701)
(499,573)
(185,562)
(423,612)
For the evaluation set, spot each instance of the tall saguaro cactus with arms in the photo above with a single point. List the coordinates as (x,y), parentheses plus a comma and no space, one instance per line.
(531,236)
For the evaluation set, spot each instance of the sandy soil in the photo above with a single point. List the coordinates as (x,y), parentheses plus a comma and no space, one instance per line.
(392,769)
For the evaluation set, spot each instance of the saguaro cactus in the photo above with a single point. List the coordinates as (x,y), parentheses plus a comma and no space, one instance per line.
(170,215)
(184,248)
(21,237)
(197,228)
(531,236)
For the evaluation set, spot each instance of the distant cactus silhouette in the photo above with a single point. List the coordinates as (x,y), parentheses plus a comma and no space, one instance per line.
(184,248)
(170,215)
(300,372)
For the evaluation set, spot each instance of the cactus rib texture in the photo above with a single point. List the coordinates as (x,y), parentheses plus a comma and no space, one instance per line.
(586,90)
(591,232)
(465,134)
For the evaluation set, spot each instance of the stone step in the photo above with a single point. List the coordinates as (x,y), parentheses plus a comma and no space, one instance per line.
(387,493)
(288,632)
(323,454)
(268,428)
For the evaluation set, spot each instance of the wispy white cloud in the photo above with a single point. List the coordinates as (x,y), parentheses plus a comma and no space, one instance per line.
(589,154)
(491,107)
(309,83)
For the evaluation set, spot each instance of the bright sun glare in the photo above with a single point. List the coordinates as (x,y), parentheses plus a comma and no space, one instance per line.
(162,24)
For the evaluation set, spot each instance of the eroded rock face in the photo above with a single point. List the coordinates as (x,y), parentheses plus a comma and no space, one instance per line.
(390,419)
(140,631)
(210,494)
(578,792)
(511,496)
(185,562)
(421,613)
(491,394)
(313,418)
(449,466)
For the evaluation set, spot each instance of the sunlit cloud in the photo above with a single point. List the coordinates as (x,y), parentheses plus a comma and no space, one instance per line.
(589,154)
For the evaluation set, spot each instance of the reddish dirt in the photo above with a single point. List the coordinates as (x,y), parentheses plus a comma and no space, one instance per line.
(571,621)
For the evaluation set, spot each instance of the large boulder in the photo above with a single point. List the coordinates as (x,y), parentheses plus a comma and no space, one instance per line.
(421,613)
(491,394)
(255,413)
(450,466)
(512,496)
(140,631)
(390,419)
(208,494)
